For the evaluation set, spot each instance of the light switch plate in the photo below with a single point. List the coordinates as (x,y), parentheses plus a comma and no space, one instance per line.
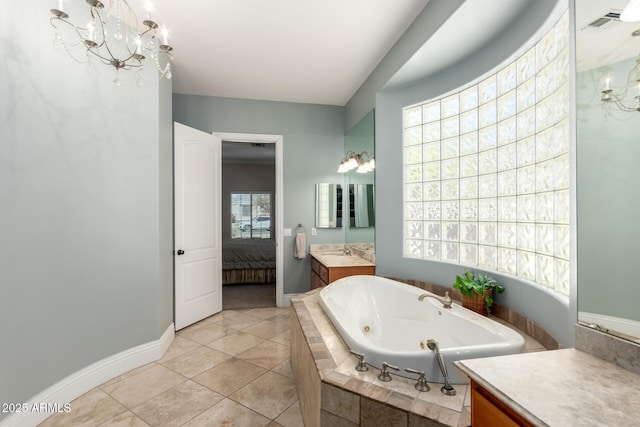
(314,231)
(286,232)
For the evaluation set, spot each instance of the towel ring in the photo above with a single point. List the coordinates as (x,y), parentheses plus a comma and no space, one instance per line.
(300,229)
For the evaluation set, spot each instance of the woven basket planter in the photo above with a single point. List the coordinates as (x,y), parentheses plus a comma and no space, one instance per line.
(476,302)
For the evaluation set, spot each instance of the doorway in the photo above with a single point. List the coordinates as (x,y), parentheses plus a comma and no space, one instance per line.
(276,203)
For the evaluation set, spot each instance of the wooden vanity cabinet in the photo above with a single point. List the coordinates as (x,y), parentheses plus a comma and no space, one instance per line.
(321,275)
(489,411)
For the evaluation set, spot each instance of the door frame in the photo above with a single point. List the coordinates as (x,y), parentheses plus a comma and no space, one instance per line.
(278,140)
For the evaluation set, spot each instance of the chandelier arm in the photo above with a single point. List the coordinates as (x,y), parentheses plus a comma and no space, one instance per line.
(112,60)
(633,70)
(621,106)
(76,29)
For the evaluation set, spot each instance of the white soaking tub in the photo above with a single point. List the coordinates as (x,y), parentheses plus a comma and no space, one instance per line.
(384,320)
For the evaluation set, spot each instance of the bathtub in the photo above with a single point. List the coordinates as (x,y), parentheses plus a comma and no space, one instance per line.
(384,320)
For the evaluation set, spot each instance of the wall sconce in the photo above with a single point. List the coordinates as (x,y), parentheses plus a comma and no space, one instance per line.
(364,162)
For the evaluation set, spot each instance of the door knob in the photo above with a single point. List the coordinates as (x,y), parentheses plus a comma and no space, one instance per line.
(180,252)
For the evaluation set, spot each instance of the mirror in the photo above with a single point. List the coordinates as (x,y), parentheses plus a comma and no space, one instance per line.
(360,139)
(608,155)
(361,206)
(328,205)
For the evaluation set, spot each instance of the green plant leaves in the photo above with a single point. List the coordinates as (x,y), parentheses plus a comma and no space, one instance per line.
(470,283)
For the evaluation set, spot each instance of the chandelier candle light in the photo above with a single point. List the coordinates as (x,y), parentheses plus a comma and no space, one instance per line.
(114,37)
(618,99)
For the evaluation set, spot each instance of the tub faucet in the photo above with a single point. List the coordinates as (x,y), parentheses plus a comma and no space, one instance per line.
(384,374)
(445,300)
(362,365)
(421,385)
(447,388)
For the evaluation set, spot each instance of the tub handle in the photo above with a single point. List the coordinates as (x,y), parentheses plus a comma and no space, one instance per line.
(384,374)
(362,365)
(421,385)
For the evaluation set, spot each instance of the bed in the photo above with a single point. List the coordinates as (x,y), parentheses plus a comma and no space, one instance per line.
(248,261)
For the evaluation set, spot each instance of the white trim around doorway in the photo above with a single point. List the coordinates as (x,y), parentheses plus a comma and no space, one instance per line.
(279,203)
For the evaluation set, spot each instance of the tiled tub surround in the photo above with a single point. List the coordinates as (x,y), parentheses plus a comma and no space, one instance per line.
(332,393)
(560,388)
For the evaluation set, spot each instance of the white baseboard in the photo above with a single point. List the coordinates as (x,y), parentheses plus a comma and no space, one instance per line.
(80,382)
(626,326)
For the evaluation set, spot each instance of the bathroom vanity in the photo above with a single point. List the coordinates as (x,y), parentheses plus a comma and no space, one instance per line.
(329,263)
(552,388)
(327,269)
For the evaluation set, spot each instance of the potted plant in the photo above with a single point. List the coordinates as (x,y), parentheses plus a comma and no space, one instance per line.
(477,291)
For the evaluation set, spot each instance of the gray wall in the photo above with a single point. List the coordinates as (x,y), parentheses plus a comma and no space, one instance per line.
(552,311)
(313,144)
(239,177)
(85,260)
(608,202)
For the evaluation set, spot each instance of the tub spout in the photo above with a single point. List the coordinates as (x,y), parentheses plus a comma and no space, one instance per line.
(447,388)
(445,300)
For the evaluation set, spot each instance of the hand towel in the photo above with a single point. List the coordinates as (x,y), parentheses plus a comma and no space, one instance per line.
(300,249)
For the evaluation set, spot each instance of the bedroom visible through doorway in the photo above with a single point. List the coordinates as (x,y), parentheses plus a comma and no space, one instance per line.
(249,224)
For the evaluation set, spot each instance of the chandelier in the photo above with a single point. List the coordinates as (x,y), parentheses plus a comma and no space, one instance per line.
(364,162)
(113,36)
(624,100)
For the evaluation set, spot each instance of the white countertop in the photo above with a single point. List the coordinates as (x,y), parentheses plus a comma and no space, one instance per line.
(560,388)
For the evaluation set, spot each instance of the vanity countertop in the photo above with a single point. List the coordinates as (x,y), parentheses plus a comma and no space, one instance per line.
(332,259)
(560,388)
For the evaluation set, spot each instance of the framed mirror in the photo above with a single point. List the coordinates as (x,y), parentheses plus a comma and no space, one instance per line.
(608,155)
(328,205)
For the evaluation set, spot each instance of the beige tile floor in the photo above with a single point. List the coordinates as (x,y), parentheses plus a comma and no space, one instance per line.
(231,369)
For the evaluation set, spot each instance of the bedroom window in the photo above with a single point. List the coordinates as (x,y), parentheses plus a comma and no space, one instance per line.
(250,215)
(487,169)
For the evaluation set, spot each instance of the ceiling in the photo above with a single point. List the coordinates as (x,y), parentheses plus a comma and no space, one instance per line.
(608,44)
(458,37)
(321,52)
(317,52)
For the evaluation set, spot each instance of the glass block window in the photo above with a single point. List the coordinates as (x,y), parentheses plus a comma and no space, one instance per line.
(487,169)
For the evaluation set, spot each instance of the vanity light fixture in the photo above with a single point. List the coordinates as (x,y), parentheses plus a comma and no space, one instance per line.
(113,36)
(609,98)
(363,162)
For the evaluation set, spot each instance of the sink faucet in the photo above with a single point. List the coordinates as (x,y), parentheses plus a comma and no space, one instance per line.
(346,251)
(445,300)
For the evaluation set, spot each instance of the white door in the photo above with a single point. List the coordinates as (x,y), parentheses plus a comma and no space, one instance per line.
(198,225)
